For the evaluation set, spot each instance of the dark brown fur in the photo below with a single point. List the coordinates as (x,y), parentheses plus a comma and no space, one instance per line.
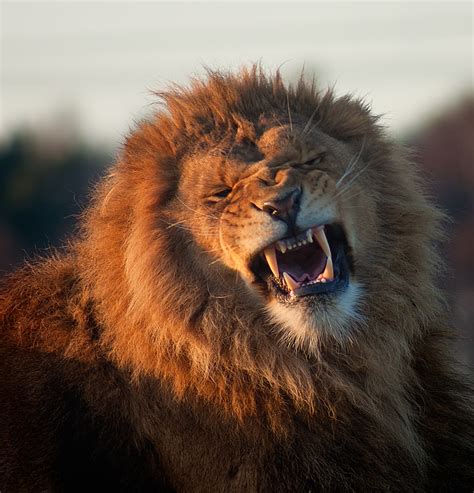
(140,360)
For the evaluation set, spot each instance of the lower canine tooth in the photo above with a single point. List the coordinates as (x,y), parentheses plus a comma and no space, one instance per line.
(329,270)
(270,256)
(290,282)
(322,240)
(281,246)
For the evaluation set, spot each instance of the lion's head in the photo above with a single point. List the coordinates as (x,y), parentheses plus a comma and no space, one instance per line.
(263,246)
(274,207)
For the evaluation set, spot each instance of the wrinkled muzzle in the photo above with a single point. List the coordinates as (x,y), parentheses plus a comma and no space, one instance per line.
(290,235)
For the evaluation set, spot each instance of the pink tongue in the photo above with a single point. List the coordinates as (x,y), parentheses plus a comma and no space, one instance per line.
(310,276)
(304,268)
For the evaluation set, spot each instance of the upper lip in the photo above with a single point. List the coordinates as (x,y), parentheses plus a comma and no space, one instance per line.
(321,272)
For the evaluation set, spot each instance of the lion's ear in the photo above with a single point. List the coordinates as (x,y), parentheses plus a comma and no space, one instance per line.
(245,130)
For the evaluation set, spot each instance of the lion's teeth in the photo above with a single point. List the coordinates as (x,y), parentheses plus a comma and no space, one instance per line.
(290,282)
(281,246)
(329,270)
(320,235)
(322,240)
(270,256)
(309,236)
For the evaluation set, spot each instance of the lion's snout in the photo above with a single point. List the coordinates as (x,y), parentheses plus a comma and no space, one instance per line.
(283,206)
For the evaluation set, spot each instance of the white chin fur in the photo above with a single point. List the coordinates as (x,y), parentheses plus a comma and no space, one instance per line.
(301,328)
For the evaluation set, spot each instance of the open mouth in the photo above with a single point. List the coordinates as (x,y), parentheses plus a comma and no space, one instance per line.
(314,262)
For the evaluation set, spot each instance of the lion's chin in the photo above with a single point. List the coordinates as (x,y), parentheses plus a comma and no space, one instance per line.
(303,323)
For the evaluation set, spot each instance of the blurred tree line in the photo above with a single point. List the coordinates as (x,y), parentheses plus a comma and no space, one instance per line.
(444,149)
(46,177)
(45,181)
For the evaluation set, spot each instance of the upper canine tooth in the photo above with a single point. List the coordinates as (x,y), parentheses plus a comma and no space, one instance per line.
(309,236)
(322,240)
(270,256)
(290,282)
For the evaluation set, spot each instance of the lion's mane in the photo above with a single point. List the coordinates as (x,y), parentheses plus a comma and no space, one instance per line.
(170,316)
(159,309)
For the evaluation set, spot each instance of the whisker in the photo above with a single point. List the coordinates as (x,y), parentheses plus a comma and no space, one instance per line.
(350,207)
(172,225)
(195,211)
(315,125)
(183,224)
(347,171)
(352,164)
(214,261)
(289,111)
(214,250)
(349,197)
(202,232)
(347,186)
(308,125)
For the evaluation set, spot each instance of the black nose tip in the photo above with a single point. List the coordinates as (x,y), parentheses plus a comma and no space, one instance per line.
(284,208)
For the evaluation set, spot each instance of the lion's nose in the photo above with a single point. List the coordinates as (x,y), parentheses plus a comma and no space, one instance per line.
(284,208)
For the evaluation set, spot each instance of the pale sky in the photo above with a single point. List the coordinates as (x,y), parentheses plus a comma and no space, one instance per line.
(100,60)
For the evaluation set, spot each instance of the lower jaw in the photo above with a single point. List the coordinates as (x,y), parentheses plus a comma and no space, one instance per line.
(318,290)
(338,284)
(311,293)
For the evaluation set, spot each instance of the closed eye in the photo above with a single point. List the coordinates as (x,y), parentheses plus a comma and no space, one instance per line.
(315,161)
(219,194)
(222,193)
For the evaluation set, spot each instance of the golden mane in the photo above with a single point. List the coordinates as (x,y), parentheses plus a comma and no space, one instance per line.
(161,351)
(164,314)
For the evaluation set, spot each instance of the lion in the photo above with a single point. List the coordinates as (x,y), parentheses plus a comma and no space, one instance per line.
(251,303)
